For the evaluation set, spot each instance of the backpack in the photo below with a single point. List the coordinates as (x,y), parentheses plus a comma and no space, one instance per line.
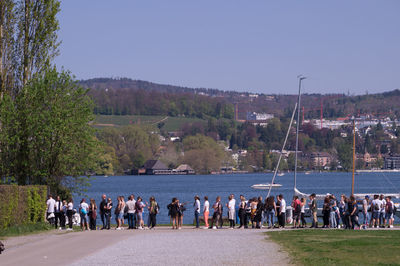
(157,208)
(376,207)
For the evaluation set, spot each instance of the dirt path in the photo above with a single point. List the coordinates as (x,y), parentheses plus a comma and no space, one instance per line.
(162,246)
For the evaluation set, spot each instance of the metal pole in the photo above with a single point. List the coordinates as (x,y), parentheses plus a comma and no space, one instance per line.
(297,130)
(354,156)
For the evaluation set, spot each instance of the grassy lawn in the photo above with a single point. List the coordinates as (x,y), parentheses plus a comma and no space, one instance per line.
(27,229)
(340,247)
(171,123)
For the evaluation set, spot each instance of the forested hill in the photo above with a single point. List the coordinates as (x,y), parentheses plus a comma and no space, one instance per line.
(135,97)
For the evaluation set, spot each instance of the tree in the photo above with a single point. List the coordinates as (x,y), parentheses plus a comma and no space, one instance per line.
(36,44)
(46,132)
(7,29)
(202,153)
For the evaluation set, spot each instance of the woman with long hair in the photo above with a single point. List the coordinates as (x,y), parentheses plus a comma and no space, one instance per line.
(242,211)
(139,205)
(259,210)
(326,212)
(206,211)
(153,210)
(92,214)
(173,212)
(270,209)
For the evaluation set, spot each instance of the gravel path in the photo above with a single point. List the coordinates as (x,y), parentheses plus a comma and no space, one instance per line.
(190,247)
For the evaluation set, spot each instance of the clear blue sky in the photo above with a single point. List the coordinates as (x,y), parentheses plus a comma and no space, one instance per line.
(256,45)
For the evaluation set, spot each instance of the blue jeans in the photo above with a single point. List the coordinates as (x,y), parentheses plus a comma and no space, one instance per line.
(332,219)
(366,218)
(270,217)
(131,220)
(196,217)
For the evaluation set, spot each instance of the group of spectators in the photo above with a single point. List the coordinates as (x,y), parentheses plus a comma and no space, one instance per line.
(255,212)
(378,212)
(60,213)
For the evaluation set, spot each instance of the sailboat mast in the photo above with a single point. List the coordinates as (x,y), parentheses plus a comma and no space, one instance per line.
(297,129)
(354,156)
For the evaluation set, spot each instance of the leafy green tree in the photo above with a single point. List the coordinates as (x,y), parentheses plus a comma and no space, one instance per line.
(48,132)
(203,153)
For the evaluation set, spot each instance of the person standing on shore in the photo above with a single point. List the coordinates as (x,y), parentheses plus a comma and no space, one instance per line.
(139,206)
(217,206)
(107,213)
(206,211)
(376,205)
(131,212)
(63,211)
(173,213)
(365,204)
(83,211)
(51,204)
(353,208)
(181,210)
(314,211)
(270,209)
(242,211)
(103,207)
(153,210)
(57,212)
(296,207)
(92,214)
(382,211)
(231,211)
(196,206)
(282,211)
(70,213)
(303,203)
(259,212)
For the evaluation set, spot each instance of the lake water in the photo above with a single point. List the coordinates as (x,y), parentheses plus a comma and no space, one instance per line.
(185,187)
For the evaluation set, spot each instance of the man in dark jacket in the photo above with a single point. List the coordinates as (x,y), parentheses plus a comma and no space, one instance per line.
(102,207)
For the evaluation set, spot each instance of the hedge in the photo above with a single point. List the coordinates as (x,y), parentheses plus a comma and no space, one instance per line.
(22,205)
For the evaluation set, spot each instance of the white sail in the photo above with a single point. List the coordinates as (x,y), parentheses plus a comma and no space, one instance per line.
(304,195)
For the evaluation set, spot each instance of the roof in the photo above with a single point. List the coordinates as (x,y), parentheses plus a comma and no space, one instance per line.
(184,167)
(155,165)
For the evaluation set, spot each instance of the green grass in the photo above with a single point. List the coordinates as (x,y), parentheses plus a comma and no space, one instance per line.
(340,247)
(171,123)
(27,229)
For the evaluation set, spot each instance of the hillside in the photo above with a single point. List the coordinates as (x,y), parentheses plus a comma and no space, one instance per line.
(135,97)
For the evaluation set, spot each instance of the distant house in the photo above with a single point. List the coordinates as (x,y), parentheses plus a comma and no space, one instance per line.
(184,169)
(155,167)
(320,159)
(392,162)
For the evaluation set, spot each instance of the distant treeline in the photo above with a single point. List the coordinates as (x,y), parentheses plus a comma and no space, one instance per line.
(123,101)
(126,96)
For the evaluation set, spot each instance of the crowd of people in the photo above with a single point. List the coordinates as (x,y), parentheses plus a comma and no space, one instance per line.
(255,212)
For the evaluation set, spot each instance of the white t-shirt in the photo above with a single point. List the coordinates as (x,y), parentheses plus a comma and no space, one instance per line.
(85,206)
(206,206)
(283,206)
(70,206)
(131,206)
(376,202)
(383,205)
(231,204)
(51,203)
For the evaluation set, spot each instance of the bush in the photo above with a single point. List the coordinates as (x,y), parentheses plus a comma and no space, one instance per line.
(22,205)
